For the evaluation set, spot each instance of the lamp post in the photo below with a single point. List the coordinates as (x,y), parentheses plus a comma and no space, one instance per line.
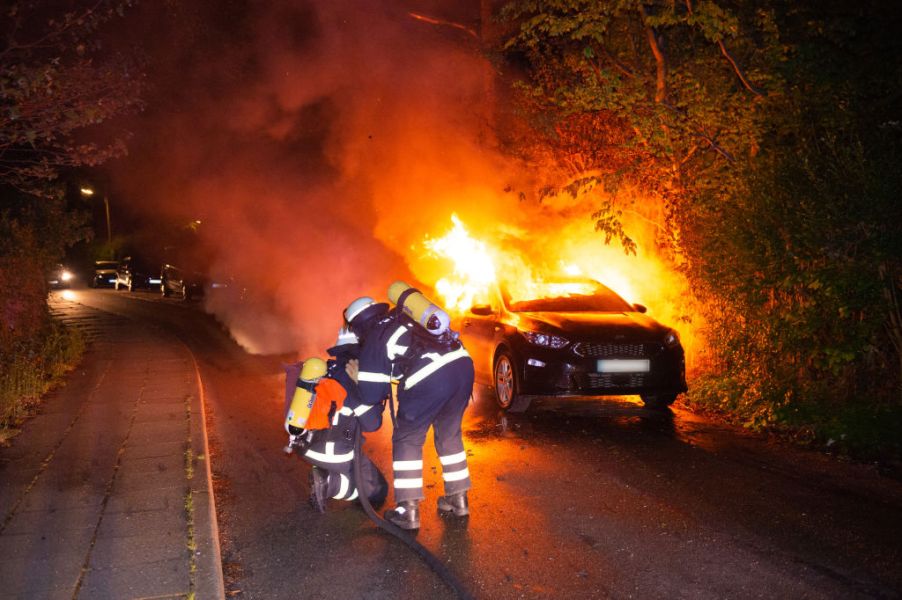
(88,192)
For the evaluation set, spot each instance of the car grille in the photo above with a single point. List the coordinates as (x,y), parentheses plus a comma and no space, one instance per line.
(615,380)
(607,350)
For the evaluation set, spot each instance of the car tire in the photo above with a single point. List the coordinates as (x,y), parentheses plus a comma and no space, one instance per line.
(658,401)
(505,380)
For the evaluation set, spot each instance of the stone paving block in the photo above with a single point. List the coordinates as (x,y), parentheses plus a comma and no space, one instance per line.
(122,551)
(45,579)
(151,413)
(47,498)
(128,524)
(50,522)
(152,448)
(152,580)
(170,432)
(169,498)
(136,482)
(151,465)
(51,546)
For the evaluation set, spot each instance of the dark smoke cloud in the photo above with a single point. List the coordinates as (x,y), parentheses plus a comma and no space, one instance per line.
(318,144)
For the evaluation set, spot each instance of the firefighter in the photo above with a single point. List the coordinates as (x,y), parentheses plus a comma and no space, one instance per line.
(435,381)
(327,441)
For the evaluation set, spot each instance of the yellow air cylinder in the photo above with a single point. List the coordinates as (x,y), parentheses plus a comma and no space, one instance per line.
(419,308)
(302,401)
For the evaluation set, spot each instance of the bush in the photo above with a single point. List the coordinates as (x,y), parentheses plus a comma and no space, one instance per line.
(33,367)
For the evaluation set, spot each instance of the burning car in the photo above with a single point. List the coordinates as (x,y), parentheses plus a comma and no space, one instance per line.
(572,337)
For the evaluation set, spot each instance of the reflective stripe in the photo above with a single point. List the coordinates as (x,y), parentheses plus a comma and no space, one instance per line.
(373,377)
(453,459)
(456,475)
(345,484)
(391,346)
(362,409)
(353,496)
(435,365)
(408,484)
(408,465)
(335,418)
(329,458)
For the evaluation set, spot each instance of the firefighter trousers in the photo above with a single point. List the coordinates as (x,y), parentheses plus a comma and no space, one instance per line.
(438,401)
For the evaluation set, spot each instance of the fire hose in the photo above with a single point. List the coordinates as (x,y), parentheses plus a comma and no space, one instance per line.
(428,557)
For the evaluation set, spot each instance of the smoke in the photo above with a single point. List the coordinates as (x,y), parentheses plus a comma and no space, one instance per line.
(316,144)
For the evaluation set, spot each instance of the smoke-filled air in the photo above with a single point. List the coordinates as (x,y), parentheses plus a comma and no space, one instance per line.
(325,149)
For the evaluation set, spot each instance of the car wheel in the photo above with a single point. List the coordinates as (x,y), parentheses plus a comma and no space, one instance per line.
(658,401)
(506,384)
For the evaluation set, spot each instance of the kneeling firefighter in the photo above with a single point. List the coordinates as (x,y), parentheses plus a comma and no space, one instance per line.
(322,422)
(414,346)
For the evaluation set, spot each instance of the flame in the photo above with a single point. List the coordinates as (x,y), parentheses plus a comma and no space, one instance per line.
(473,267)
(527,261)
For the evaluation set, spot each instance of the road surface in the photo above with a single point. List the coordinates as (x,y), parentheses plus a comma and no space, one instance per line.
(575,498)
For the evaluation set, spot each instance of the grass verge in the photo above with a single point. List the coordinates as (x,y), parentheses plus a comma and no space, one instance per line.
(30,371)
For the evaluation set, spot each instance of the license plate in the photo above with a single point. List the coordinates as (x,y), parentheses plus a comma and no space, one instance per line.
(624,366)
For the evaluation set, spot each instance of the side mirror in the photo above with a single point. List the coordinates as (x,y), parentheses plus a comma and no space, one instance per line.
(640,308)
(483,310)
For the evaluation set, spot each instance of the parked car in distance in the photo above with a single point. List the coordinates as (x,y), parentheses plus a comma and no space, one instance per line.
(60,277)
(572,337)
(104,273)
(181,284)
(133,274)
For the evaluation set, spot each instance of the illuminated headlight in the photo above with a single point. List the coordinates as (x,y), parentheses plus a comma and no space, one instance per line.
(544,339)
(155,280)
(671,340)
(66,276)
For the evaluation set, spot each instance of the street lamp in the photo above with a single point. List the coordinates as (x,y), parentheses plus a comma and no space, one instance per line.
(88,192)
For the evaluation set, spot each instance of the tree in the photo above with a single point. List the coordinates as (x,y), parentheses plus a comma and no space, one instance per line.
(55,85)
(769,132)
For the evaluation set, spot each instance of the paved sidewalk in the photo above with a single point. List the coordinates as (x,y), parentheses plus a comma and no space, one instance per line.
(106,493)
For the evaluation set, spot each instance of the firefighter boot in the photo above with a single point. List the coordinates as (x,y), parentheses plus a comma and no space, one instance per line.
(319,489)
(405,515)
(454,503)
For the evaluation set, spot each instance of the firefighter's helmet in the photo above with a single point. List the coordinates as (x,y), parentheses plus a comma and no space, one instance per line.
(314,368)
(358,306)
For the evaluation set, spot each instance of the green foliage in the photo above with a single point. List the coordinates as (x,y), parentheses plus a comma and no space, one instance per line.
(57,87)
(769,133)
(32,366)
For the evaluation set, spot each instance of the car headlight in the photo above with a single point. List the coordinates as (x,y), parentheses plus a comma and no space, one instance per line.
(545,339)
(65,275)
(672,339)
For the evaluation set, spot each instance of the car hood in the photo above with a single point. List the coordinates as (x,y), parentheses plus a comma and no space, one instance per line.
(622,325)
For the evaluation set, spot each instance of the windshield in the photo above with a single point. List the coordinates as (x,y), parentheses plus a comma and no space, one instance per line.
(106,264)
(563,296)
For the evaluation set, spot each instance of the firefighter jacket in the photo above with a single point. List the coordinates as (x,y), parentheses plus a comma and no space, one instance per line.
(395,351)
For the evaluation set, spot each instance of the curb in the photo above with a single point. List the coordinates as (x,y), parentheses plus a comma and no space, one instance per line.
(209,582)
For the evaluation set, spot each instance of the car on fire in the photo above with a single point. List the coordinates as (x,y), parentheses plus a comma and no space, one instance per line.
(104,273)
(572,337)
(133,273)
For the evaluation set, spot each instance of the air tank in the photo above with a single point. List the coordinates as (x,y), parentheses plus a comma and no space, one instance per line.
(420,308)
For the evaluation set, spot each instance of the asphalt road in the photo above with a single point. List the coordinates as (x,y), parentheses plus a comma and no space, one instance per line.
(573,499)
